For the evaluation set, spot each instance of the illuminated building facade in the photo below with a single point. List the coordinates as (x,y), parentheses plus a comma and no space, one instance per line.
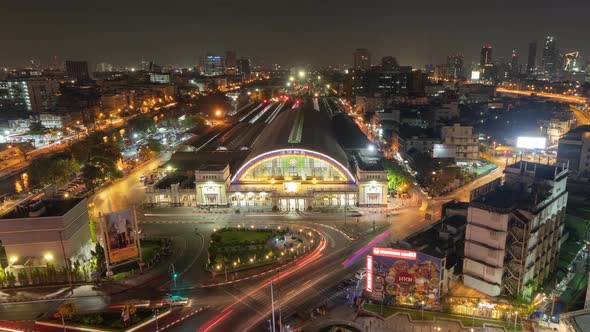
(298,163)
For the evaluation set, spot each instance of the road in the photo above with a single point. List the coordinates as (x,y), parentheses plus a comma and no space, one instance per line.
(127,191)
(582,118)
(553,96)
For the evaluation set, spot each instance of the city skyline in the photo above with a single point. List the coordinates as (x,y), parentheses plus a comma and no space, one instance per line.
(179,34)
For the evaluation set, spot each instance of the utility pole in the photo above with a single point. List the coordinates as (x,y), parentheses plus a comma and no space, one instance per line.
(173,274)
(105,245)
(135,225)
(272,305)
(279,300)
(66,261)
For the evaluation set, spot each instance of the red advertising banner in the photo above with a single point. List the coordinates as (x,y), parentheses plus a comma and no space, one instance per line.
(369,273)
(394,253)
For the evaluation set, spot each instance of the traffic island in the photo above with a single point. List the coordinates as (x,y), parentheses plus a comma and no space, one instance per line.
(236,253)
(111,320)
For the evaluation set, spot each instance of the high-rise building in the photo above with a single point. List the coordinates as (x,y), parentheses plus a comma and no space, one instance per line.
(77,70)
(213,65)
(531,65)
(550,59)
(574,149)
(514,66)
(244,66)
(231,62)
(361,59)
(389,63)
(455,66)
(104,67)
(571,62)
(514,229)
(30,95)
(486,56)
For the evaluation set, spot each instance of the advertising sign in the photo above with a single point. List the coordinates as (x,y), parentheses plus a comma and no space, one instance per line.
(369,273)
(120,236)
(444,151)
(531,142)
(407,277)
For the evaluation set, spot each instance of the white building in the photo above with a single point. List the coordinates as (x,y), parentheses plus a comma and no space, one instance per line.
(514,229)
(46,232)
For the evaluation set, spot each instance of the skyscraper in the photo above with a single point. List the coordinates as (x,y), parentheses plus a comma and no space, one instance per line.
(244,66)
(550,59)
(571,62)
(77,70)
(361,59)
(486,56)
(231,62)
(213,65)
(531,65)
(514,67)
(455,66)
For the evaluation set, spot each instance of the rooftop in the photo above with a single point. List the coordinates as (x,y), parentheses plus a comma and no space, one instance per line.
(577,133)
(206,160)
(541,171)
(42,208)
(301,128)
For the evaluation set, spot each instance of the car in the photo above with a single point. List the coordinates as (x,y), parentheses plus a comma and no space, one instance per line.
(174,300)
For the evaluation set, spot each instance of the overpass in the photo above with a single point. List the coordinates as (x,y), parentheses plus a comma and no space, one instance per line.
(553,96)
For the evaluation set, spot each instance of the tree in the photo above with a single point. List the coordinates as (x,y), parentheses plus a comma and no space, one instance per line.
(368,116)
(56,168)
(141,124)
(397,177)
(67,310)
(155,146)
(98,258)
(36,128)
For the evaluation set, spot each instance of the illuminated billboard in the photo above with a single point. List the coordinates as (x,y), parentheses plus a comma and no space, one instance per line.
(475,75)
(121,240)
(404,277)
(524,142)
(444,151)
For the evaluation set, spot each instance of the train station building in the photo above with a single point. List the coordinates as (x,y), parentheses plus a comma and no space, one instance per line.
(303,159)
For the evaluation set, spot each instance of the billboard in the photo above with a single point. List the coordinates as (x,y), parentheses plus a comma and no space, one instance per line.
(404,277)
(120,236)
(475,75)
(524,142)
(444,151)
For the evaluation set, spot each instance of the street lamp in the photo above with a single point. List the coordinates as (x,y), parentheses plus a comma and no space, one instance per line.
(515,318)
(422,310)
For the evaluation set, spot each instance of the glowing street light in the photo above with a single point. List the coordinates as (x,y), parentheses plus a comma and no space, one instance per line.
(301,74)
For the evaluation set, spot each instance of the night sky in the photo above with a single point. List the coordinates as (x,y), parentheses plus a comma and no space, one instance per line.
(319,32)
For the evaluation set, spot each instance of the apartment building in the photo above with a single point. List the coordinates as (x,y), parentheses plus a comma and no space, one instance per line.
(465,139)
(514,228)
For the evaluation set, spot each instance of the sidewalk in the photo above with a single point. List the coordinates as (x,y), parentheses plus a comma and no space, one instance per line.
(106,288)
